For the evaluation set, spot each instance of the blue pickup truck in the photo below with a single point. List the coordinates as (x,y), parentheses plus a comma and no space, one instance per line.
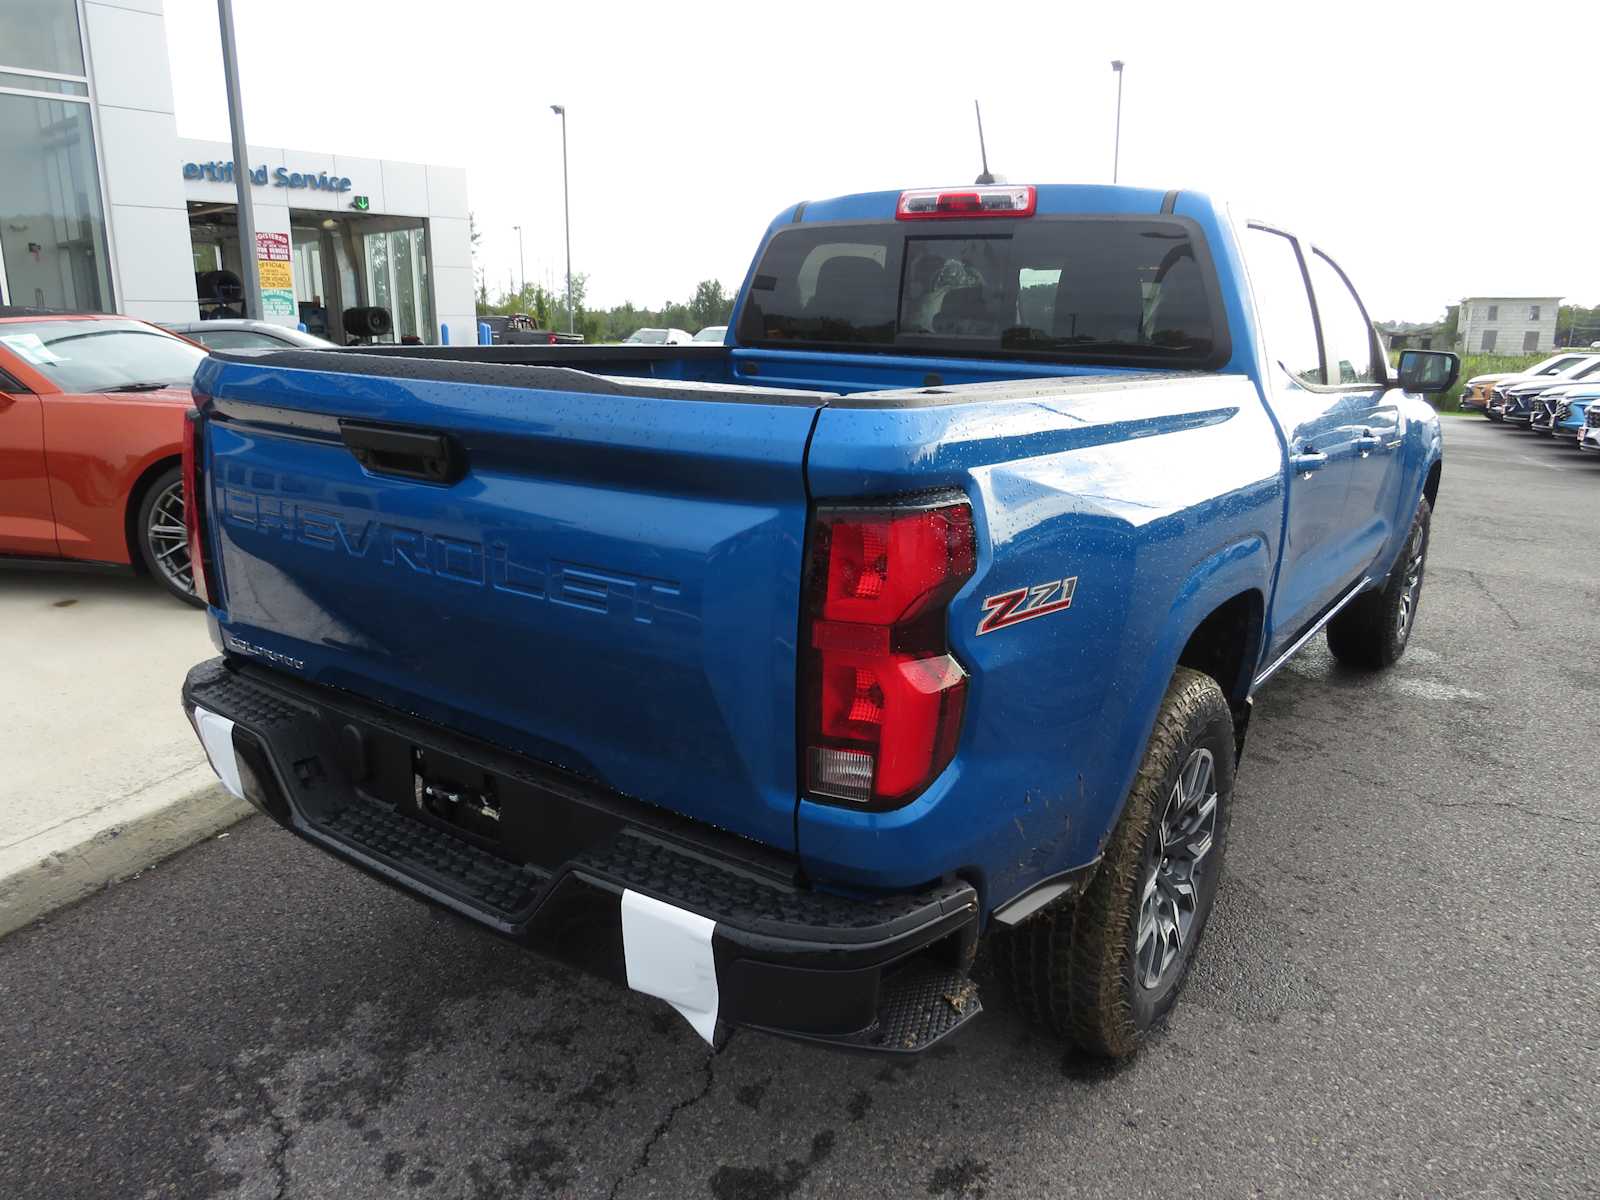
(769,678)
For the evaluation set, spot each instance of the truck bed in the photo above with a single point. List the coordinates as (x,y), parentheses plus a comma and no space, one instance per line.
(605,575)
(717,374)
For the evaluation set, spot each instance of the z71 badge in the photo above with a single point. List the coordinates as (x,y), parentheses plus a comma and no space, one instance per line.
(1025,603)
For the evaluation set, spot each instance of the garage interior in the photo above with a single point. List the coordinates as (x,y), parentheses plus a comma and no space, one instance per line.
(341,261)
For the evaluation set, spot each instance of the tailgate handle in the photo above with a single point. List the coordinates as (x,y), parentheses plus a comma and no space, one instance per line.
(406,453)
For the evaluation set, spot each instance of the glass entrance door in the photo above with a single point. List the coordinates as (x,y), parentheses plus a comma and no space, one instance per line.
(309,282)
(397,279)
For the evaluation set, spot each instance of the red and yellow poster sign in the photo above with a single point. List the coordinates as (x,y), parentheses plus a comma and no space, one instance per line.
(277,275)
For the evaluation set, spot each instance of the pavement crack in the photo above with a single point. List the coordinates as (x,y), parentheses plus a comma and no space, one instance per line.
(282,1134)
(1489,594)
(665,1123)
(1515,805)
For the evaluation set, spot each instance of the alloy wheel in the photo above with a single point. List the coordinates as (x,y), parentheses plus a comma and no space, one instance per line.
(168,538)
(1169,901)
(1411,586)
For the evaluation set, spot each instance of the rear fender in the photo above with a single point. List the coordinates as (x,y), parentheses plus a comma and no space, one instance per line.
(1239,568)
(1160,501)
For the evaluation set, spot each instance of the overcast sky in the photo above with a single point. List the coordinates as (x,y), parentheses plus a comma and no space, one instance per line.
(1405,137)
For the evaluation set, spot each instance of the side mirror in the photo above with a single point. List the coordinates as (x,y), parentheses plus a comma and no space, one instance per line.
(1428,371)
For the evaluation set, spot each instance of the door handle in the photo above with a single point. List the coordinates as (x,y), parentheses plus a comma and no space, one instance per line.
(407,453)
(1306,461)
(1368,442)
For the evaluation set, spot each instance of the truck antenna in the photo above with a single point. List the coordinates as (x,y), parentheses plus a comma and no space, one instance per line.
(983,152)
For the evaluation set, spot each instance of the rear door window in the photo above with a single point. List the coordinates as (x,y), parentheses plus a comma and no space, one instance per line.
(1093,288)
(1346,332)
(1283,303)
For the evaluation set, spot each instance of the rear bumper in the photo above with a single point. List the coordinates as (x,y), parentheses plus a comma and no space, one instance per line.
(719,927)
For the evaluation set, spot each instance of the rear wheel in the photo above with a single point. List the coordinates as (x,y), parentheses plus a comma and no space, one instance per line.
(162,537)
(1373,629)
(1102,972)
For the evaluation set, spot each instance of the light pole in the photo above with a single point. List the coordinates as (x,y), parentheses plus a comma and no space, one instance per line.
(522,258)
(248,269)
(1116,153)
(566,212)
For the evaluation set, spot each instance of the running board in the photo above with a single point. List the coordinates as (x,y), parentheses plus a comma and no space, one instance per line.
(1315,629)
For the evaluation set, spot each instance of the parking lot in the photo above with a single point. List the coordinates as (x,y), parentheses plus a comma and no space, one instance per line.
(1397,994)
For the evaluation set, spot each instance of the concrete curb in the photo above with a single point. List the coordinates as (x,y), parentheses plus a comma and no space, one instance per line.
(80,856)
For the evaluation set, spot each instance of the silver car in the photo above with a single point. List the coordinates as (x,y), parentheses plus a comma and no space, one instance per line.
(235,334)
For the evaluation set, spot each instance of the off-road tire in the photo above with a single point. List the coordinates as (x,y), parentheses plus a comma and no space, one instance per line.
(1368,632)
(1073,969)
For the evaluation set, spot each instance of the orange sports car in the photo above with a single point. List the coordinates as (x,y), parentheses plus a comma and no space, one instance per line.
(91,436)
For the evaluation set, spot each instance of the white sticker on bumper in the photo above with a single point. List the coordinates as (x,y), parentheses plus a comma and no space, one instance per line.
(216,735)
(668,954)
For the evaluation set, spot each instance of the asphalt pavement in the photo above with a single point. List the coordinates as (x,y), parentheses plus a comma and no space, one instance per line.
(1399,994)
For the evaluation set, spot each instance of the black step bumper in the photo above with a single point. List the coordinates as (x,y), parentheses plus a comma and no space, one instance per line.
(625,890)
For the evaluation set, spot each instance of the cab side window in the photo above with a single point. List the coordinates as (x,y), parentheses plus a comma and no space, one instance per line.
(1346,333)
(1283,303)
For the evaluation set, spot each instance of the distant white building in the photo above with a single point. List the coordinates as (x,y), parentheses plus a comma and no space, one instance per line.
(1508,324)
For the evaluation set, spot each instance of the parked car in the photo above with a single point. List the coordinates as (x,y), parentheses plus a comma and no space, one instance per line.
(712,333)
(1547,403)
(246,335)
(1589,438)
(1039,572)
(1511,400)
(91,435)
(658,337)
(1572,413)
(1476,394)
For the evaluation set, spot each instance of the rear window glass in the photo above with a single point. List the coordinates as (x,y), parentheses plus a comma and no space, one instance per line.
(236,339)
(1061,288)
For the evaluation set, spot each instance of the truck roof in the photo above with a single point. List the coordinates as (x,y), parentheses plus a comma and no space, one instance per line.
(1053,198)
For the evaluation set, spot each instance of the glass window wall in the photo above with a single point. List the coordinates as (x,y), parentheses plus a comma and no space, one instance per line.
(52,224)
(41,35)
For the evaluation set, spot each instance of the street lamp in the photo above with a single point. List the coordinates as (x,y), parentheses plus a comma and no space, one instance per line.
(1116,154)
(522,258)
(566,212)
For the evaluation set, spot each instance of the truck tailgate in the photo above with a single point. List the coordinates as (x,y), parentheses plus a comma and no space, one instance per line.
(604,575)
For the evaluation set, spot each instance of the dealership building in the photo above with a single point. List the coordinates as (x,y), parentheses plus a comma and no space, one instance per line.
(104,208)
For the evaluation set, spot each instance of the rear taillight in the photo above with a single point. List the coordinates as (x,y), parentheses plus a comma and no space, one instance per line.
(550,339)
(200,566)
(999,201)
(881,696)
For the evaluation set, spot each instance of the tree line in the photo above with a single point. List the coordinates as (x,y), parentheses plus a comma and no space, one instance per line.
(711,304)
